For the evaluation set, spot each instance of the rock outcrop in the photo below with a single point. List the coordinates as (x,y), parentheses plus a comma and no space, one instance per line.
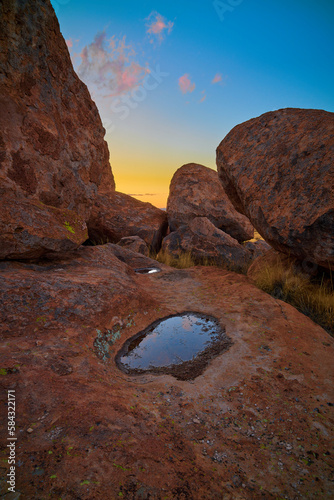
(257,248)
(133,259)
(277,169)
(82,287)
(52,147)
(135,244)
(30,229)
(204,241)
(86,428)
(195,191)
(118,215)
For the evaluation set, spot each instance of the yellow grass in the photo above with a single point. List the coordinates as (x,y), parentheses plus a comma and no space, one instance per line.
(186,260)
(313,297)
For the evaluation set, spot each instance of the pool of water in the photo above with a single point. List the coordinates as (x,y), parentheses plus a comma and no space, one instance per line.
(148,270)
(181,345)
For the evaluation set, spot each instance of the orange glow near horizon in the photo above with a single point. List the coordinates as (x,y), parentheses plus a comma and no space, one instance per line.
(137,188)
(145,173)
(146,181)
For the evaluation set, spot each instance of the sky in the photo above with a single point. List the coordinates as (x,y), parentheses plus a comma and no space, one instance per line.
(172,78)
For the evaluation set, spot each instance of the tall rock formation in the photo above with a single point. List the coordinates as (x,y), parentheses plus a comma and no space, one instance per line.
(52,147)
(278,170)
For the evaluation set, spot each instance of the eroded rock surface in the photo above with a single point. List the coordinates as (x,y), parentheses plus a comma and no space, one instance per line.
(277,169)
(29,229)
(135,244)
(195,191)
(258,423)
(133,259)
(79,287)
(118,215)
(206,242)
(52,146)
(257,248)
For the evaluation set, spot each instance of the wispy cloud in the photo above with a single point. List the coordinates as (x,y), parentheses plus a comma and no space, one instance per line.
(69,43)
(157,27)
(218,78)
(203,96)
(142,194)
(108,66)
(185,84)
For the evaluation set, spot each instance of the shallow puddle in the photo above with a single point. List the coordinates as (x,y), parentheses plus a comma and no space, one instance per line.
(181,345)
(148,270)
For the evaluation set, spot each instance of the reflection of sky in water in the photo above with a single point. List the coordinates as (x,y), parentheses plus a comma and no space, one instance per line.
(173,341)
(148,270)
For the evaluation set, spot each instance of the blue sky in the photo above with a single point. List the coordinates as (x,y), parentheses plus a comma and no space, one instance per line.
(171,78)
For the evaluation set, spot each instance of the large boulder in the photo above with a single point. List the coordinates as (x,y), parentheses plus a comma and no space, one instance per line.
(30,229)
(52,146)
(205,242)
(195,191)
(277,169)
(118,215)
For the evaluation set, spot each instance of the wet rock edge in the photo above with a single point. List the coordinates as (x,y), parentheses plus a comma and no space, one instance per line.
(188,370)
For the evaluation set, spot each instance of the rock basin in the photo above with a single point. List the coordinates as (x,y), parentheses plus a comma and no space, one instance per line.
(180,345)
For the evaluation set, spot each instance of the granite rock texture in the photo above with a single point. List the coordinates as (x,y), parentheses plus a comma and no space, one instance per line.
(118,215)
(52,147)
(135,244)
(205,242)
(278,170)
(195,191)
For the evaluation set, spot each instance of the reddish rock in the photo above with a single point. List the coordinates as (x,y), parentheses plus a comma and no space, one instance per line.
(195,191)
(118,215)
(82,287)
(52,146)
(135,244)
(257,248)
(277,169)
(133,259)
(29,229)
(86,430)
(205,241)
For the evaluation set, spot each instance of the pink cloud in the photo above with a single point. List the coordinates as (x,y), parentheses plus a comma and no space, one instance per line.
(185,84)
(158,26)
(218,78)
(108,67)
(204,96)
(69,43)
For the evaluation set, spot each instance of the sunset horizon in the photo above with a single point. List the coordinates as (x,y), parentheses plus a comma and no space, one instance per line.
(170,81)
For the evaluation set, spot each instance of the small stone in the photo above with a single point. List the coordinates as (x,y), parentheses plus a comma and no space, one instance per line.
(30,430)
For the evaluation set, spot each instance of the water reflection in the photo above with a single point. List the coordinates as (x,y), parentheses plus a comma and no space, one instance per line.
(171,341)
